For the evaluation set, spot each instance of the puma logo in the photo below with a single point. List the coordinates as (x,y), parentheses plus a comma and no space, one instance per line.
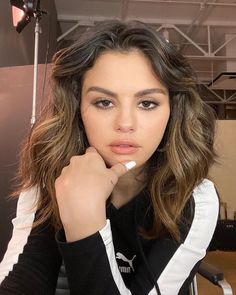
(129,261)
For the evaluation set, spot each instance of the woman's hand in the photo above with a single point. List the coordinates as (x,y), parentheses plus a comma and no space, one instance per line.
(82,190)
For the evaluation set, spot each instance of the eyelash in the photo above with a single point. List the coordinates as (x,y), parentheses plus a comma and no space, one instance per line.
(99,103)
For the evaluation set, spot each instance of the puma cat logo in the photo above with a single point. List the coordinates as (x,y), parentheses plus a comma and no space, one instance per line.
(129,261)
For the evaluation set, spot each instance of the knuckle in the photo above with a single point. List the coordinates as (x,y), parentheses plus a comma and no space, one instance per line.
(63,170)
(91,149)
(61,179)
(57,182)
(61,183)
(91,156)
(73,159)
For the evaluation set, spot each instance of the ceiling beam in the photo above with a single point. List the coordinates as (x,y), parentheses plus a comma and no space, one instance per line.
(210,57)
(186,2)
(76,18)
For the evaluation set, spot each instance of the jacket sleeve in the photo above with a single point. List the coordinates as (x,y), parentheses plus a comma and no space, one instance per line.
(32,260)
(91,264)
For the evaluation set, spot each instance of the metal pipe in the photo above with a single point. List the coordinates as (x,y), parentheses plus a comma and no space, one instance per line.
(70,30)
(190,28)
(213,92)
(209,39)
(161,27)
(219,102)
(211,57)
(124,9)
(232,97)
(224,44)
(189,39)
(76,18)
(185,2)
(212,72)
(199,71)
(36,49)
(225,287)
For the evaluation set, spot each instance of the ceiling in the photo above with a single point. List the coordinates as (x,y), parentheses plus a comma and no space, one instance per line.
(204,31)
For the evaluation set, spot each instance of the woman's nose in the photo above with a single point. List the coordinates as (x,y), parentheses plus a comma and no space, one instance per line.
(125,121)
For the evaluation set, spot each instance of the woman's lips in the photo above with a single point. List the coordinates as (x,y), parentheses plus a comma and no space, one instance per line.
(124,147)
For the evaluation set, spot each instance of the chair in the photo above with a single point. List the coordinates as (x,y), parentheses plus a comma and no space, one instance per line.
(213,275)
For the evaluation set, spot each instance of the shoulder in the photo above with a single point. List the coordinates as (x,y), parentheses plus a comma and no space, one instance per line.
(26,207)
(206,210)
(28,198)
(206,197)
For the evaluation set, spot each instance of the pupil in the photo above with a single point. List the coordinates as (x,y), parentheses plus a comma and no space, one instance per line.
(106,103)
(146,103)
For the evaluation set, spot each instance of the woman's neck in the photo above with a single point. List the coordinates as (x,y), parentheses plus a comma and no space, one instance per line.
(127,187)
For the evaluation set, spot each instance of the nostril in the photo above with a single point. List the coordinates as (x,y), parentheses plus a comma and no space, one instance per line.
(125,128)
(125,123)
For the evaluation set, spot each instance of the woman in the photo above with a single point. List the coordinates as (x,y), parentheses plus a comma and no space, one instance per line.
(114,172)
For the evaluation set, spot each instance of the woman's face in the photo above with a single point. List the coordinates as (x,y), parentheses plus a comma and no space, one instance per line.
(125,108)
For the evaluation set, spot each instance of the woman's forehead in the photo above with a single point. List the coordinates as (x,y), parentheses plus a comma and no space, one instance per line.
(118,69)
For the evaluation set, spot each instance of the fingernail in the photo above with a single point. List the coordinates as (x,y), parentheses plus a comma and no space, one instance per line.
(130,165)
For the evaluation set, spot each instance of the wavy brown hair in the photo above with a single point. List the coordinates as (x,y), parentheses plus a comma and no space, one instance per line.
(185,153)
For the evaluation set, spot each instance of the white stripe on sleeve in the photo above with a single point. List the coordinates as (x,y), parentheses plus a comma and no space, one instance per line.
(22,225)
(194,247)
(106,235)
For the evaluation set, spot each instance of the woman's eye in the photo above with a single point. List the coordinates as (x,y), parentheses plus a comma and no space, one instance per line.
(148,104)
(104,103)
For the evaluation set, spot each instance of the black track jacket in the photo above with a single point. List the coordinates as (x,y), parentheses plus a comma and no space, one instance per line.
(116,260)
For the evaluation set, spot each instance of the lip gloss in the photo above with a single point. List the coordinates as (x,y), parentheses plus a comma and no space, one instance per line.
(123,149)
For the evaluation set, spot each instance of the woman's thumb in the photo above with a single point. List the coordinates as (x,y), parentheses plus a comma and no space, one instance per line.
(121,168)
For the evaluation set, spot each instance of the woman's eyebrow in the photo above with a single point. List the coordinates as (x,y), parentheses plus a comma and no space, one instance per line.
(102,90)
(150,91)
(137,94)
